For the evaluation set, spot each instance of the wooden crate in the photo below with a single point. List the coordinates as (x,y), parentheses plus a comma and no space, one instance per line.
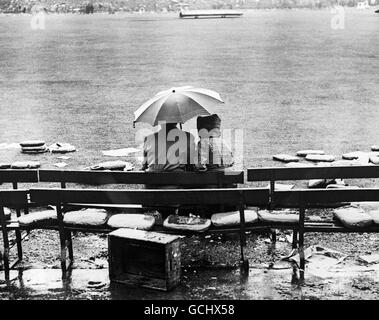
(143,258)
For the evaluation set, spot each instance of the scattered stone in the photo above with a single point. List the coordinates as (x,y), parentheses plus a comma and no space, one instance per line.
(32,143)
(370,258)
(320,158)
(298,165)
(61,148)
(277,216)
(64,158)
(25,165)
(340,186)
(304,153)
(374,214)
(233,218)
(282,187)
(352,155)
(111,165)
(120,152)
(319,183)
(33,146)
(374,159)
(60,164)
(191,223)
(131,221)
(39,217)
(34,150)
(352,217)
(285,158)
(86,217)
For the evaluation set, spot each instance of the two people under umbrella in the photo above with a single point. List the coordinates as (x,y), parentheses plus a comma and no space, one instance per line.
(173,149)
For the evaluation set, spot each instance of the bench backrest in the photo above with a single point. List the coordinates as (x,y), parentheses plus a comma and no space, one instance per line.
(248,196)
(219,179)
(14,198)
(305,173)
(306,197)
(273,174)
(16,176)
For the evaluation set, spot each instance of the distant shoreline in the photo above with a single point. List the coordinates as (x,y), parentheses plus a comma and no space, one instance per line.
(176,13)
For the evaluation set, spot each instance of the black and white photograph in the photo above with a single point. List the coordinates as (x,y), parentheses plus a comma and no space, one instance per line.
(203,152)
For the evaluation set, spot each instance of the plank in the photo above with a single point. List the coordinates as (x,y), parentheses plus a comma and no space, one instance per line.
(141,177)
(18,175)
(325,196)
(252,196)
(14,198)
(305,173)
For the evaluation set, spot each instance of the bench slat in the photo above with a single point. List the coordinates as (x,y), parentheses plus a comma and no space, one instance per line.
(256,196)
(13,175)
(14,198)
(140,177)
(305,173)
(317,196)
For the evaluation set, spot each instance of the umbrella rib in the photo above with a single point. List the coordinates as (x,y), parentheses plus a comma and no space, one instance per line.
(147,105)
(204,92)
(163,100)
(190,95)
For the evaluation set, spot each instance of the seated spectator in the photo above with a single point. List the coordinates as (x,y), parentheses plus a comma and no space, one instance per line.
(212,150)
(169,149)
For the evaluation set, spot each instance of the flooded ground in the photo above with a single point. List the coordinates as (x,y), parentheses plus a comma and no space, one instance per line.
(209,270)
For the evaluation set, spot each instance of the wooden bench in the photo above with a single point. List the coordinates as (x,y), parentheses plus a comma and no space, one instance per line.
(309,198)
(273,174)
(15,177)
(17,199)
(152,180)
(302,198)
(60,197)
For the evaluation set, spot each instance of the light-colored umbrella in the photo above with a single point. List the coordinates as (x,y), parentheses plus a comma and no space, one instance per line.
(177,105)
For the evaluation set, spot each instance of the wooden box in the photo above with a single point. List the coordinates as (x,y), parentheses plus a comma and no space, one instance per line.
(143,258)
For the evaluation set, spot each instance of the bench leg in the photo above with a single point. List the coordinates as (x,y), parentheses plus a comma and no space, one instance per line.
(19,244)
(4,231)
(6,247)
(301,242)
(244,263)
(294,239)
(63,252)
(273,235)
(19,238)
(69,246)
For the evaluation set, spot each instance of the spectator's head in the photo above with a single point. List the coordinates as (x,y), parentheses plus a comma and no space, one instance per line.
(209,126)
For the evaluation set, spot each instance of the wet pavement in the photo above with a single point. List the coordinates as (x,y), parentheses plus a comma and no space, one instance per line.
(278,281)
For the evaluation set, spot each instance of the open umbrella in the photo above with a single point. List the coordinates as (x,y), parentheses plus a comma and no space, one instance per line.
(177,105)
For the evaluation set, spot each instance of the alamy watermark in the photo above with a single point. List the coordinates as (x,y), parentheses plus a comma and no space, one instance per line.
(199,149)
(338,20)
(38,20)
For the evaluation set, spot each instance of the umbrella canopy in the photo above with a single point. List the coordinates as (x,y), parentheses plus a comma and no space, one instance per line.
(177,105)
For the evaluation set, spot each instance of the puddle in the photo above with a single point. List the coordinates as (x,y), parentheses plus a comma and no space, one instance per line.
(262,283)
